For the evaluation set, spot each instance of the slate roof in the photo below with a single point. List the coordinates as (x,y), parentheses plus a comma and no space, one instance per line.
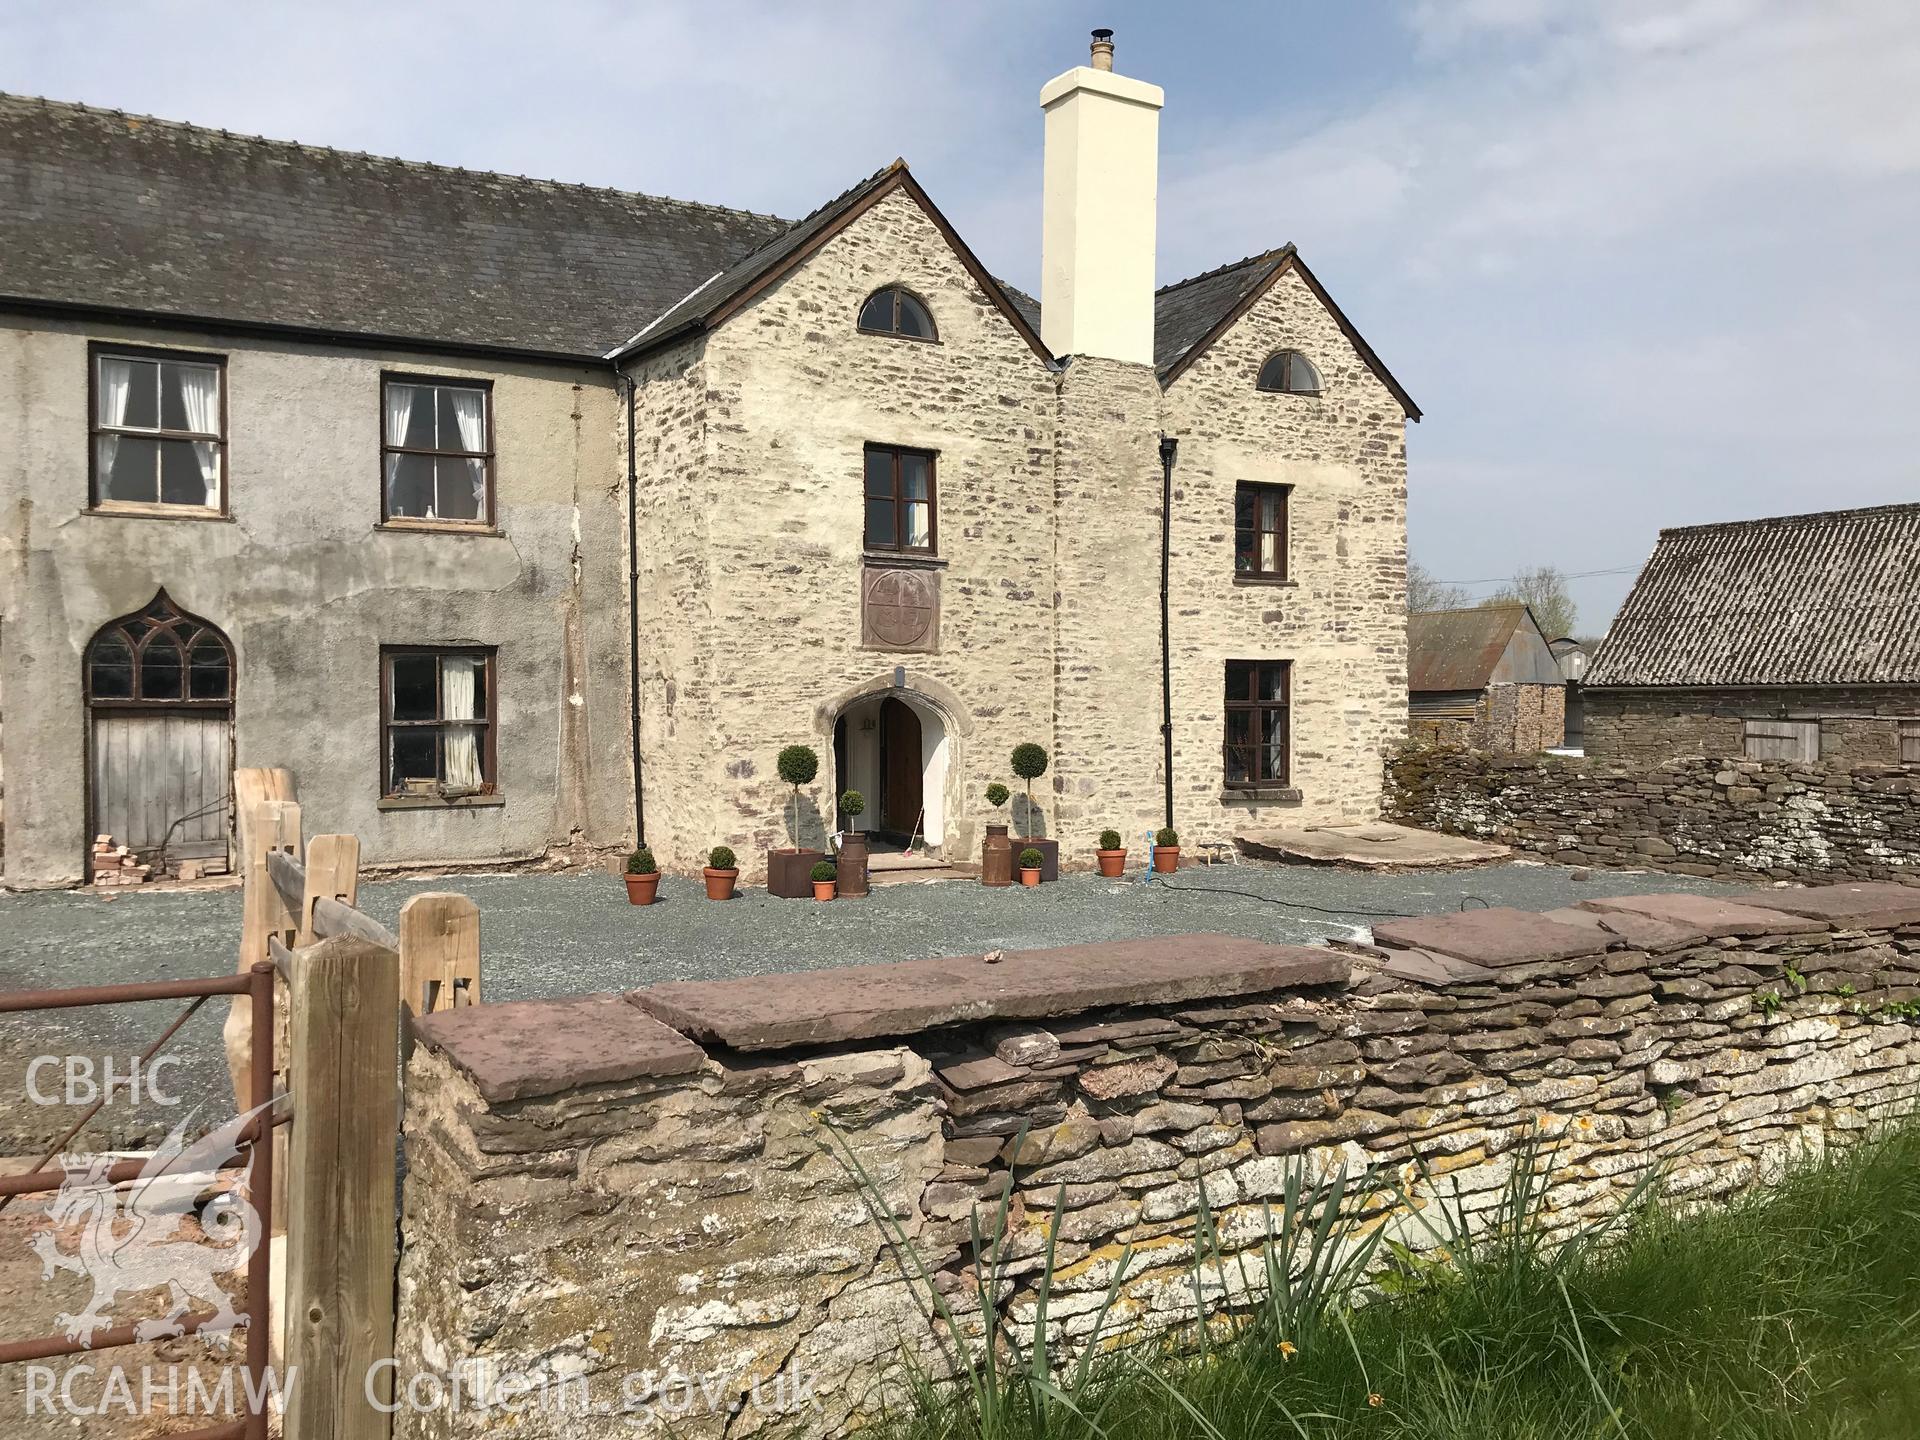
(1459,649)
(1824,599)
(112,213)
(714,301)
(1189,315)
(1186,310)
(122,212)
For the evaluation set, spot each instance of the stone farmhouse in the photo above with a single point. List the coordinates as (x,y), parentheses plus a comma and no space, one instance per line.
(1792,638)
(514,516)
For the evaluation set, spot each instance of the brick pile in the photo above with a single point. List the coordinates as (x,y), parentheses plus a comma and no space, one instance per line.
(113,864)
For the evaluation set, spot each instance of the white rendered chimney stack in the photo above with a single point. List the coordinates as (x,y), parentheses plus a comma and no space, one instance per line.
(1101,185)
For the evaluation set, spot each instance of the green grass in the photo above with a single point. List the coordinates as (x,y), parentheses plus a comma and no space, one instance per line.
(1791,1315)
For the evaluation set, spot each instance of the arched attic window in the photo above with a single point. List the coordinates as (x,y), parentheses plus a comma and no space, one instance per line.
(893,311)
(1290,373)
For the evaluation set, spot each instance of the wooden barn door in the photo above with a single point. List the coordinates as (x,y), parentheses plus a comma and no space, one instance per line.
(160,736)
(161,779)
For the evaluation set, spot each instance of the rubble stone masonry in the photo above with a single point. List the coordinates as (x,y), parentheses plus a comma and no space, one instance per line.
(1740,819)
(749,450)
(1646,727)
(679,1184)
(1340,616)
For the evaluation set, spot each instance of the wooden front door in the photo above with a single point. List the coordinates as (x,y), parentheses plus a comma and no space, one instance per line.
(901,767)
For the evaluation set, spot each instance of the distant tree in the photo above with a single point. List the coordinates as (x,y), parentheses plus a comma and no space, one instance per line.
(1543,590)
(1424,593)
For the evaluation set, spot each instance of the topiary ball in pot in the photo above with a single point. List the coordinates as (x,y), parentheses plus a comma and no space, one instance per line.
(1110,840)
(852,803)
(641,862)
(823,870)
(797,765)
(1031,859)
(1029,762)
(721,858)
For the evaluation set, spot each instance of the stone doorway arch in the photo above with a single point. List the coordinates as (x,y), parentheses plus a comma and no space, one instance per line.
(899,742)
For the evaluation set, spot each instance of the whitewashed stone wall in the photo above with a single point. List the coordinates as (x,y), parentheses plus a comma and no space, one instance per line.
(1341,616)
(1107,666)
(750,449)
(592,1197)
(789,394)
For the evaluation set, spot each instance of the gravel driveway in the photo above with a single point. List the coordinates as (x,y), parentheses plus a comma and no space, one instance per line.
(545,935)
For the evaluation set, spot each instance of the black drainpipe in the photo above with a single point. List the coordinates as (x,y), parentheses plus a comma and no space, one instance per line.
(633,623)
(1169,447)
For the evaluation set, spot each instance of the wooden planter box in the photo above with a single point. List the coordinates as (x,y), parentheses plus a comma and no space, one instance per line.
(790,873)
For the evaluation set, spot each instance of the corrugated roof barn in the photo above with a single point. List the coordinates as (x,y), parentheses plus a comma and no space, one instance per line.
(1824,599)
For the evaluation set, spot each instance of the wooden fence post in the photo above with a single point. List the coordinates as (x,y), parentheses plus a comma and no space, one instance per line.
(439,957)
(344,1073)
(264,825)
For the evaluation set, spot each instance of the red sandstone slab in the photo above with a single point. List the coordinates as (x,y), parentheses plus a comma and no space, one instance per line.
(1642,932)
(1714,918)
(1869,905)
(867,1002)
(1427,968)
(1495,937)
(540,1047)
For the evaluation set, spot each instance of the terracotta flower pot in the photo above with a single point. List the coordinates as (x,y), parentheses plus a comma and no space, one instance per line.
(823,889)
(1113,863)
(642,888)
(1166,858)
(1030,877)
(720,883)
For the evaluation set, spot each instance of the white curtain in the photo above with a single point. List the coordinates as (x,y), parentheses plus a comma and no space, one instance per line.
(200,396)
(470,410)
(399,408)
(913,483)
(457,689)
(116,387)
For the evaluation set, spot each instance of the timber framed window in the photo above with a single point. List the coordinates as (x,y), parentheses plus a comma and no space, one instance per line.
(437,721)
(1260,531)
(900,500)
(1290,373)
(159,430)
(1783,739)
(897,311)
(436,451)
(159,656)
(1259,723)
(1910,742)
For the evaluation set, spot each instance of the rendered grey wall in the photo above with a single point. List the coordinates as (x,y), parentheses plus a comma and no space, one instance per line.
(308,588)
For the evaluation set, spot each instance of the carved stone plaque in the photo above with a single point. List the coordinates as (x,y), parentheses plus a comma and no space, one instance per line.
(900,609)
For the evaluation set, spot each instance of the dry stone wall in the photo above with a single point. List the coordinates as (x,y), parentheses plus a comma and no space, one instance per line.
(1740,819)
(634,1194)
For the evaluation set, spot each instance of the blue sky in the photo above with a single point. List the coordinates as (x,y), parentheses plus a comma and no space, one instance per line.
(1643,263)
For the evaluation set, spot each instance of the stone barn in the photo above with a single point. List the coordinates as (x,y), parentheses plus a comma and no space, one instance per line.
(1484,678)
(1792,638)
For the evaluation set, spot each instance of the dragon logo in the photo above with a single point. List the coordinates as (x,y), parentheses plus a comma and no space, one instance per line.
(174,1227)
